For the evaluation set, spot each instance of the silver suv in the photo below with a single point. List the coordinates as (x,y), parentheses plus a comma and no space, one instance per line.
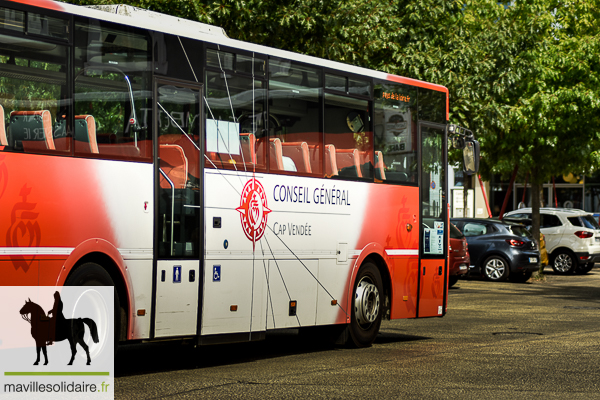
(572,237)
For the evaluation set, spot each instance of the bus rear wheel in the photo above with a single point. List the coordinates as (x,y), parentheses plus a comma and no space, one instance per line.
(367,306)
(92,274)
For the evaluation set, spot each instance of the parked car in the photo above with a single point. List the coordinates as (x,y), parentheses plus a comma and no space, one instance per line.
(527,223)
(459,255)
(572,238)
(499,249)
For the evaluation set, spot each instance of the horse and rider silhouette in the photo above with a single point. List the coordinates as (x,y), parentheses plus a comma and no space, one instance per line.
(46,330)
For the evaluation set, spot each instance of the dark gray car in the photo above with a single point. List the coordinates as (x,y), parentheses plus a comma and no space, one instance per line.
(499,250)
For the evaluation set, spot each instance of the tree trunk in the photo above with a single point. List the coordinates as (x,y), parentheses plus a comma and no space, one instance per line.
(535,214)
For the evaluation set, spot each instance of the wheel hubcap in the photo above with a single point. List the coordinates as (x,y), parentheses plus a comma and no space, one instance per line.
(563,262)
(495,269)
(366,302)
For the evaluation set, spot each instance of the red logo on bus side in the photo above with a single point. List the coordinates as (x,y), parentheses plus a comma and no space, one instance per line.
(24,230)
(253,210)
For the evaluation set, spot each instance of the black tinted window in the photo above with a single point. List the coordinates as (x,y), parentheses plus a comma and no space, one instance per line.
(549,221)
(575,221)
(455,233)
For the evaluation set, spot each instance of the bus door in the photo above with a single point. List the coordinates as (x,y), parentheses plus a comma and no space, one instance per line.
(178,231)
(434,221)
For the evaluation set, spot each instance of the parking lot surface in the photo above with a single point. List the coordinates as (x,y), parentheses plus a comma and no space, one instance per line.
(498,341)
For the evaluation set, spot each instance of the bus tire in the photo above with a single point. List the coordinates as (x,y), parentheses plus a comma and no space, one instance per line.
(367,306)
(92,274)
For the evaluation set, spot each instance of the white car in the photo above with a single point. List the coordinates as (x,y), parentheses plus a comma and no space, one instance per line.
(572,237)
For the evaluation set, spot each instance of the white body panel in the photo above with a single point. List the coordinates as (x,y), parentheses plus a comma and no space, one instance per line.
(140,273)
(126,201)
(176,298)
(291,280)
(130,208)
(309,231)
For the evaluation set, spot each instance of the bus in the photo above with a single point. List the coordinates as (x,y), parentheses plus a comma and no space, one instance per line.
(224,188)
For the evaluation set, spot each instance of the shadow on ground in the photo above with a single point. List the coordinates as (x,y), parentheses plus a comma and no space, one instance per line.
(146,358)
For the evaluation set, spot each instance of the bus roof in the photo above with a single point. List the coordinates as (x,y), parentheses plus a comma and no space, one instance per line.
(151,20)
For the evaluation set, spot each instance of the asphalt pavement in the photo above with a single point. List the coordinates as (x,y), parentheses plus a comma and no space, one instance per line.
(536,340)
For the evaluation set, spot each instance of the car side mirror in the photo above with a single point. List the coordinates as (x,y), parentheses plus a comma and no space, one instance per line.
(471,156)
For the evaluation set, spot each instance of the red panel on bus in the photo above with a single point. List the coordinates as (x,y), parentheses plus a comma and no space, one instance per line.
(432,286)
(50,203)
(50,5)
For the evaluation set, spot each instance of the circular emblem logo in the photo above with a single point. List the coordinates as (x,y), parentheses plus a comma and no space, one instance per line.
(253,210)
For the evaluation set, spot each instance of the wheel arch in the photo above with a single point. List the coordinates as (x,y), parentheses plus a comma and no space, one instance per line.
(376,254)
(562,249)
(108,257)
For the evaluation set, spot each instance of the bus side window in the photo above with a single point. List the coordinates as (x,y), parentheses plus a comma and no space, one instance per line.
(348,132)
(295,93)
(235,118)
(34,81)
(112,101)
(396,133)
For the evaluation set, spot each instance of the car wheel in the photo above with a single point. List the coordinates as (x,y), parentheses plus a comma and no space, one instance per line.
(584,268)
(367,306)
(563,262)
(452,280)
(495,268)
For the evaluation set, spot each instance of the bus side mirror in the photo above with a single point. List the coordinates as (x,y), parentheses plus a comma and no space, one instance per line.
(471,156)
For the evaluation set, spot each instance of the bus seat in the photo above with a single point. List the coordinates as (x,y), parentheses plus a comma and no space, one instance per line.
(248,145)
(121,150)
(331,168)
(85,132)
(276,154)
(31,130)
(3,138)
(349,158)
(379,166)
(174,164)
(298,152)
(188,143)
(315,158)
(170,138)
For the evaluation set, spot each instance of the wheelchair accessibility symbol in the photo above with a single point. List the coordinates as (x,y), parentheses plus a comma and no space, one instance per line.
(216,273)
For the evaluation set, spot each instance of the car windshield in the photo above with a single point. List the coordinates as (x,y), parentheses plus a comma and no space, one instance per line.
(455,233)
(520,231)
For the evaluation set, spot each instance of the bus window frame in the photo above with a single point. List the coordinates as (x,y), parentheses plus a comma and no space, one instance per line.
(147,33)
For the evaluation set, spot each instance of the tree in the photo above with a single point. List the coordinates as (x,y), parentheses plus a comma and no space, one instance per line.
(542,93)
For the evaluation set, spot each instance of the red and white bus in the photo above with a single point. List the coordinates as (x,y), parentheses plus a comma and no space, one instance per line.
(224,188)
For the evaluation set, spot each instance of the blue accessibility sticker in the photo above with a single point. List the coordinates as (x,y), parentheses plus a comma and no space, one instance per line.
(216,273)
